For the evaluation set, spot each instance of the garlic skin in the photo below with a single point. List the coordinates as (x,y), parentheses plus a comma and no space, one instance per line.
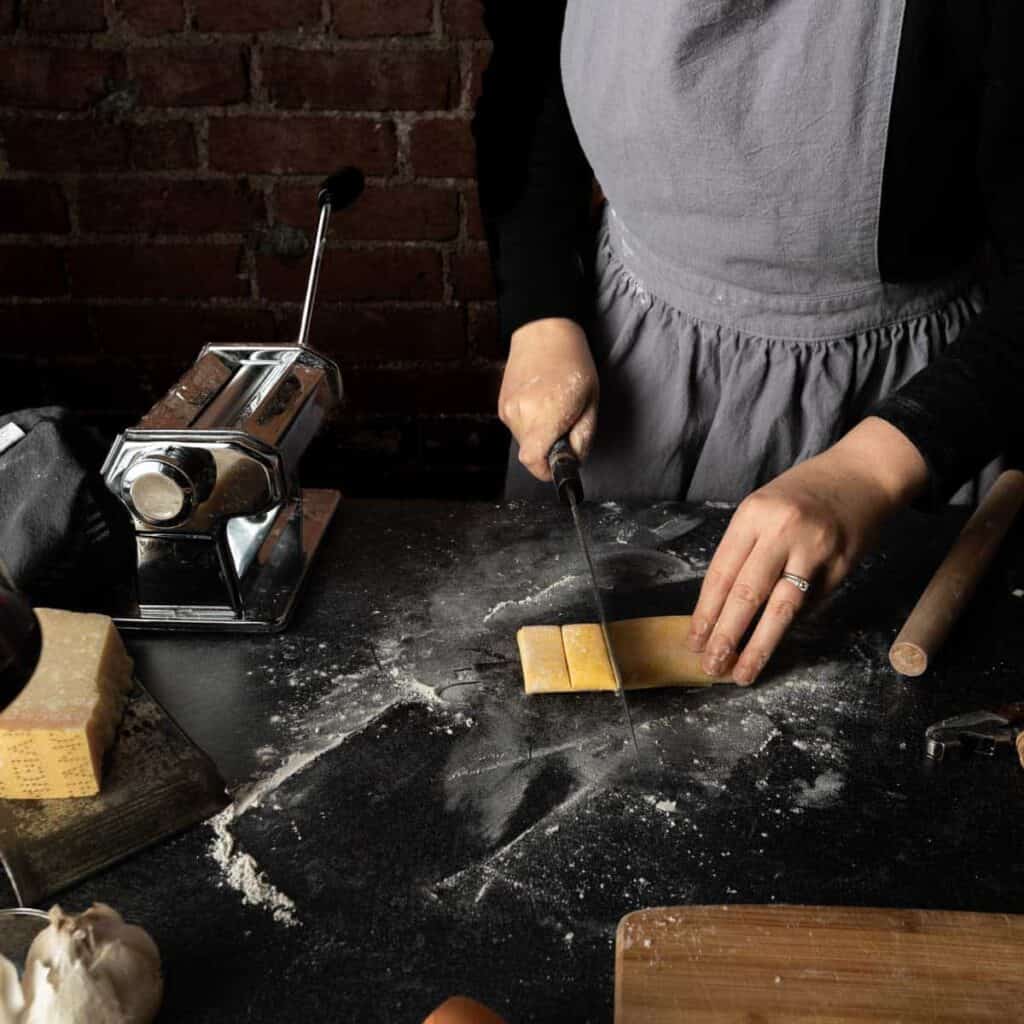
(12,1002)
(91,969)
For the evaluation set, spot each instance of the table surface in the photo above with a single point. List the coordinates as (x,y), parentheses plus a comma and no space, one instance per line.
(408,824)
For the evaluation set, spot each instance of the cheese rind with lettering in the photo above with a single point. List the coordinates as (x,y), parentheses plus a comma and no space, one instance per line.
(54,734)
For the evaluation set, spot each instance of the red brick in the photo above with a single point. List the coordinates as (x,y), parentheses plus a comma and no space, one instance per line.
(257,15)
(362,79)
(301,145)
(464,441)
(153,17)
(162,146)
(56,79)
(448,392)
(47,328)
(91,145)
(64,145)
(360,440)
(471,274)
(158,271)
(443,148)
(32,206)
(365,334)
(361,18)
(385,273)
(464,19)
(153,375)
(478,62)
(484,335)
(167,207)
(128,330)
(474,218)
(64,15)
(32,270)
(19,381)
(402,213)
(188,78)
(118,391)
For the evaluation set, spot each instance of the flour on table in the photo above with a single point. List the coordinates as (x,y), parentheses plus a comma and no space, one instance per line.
(243,874)
(536,598)
(665,806)
(825,788)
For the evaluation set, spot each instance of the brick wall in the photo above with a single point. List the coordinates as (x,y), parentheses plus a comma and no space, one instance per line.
(159,161)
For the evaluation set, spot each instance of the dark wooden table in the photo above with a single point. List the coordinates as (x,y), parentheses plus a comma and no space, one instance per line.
(410,825)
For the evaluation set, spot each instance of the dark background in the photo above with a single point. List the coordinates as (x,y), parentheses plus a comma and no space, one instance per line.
(159,161)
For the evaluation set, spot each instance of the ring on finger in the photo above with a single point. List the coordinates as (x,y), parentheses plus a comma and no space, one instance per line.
(801,583)
(782,608)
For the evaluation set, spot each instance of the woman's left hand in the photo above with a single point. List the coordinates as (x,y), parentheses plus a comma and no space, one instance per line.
(814,521)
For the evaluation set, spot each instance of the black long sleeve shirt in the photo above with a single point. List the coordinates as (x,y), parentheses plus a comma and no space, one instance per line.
(953,184)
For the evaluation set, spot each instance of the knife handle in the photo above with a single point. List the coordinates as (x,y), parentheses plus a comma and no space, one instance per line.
(565,471)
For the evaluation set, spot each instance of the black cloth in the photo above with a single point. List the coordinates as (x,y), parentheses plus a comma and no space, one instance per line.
(953,187)
(66,540)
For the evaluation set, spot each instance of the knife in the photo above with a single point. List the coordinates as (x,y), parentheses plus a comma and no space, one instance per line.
(565,471)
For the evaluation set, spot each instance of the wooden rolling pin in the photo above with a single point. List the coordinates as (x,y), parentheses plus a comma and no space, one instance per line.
(956,579)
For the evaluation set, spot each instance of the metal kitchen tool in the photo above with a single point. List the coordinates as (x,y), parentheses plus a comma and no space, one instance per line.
(18,927)
(224,533)
(978,732)
(565,471)
(156,783)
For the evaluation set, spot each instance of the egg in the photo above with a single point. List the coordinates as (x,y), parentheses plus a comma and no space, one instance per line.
(463,1010)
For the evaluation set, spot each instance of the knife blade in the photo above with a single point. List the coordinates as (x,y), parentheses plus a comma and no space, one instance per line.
(565,472)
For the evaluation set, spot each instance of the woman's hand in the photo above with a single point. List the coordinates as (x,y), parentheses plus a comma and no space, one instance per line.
(815,521)
(549,389)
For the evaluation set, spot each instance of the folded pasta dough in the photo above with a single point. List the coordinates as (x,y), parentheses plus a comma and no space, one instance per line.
(650,652)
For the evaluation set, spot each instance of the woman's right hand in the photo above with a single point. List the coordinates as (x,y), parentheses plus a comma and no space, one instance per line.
(550,389)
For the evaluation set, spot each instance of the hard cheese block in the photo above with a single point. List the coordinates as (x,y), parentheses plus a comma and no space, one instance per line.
(650,652)
(54,735)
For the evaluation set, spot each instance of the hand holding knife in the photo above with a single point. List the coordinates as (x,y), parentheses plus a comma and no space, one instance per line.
(565,472)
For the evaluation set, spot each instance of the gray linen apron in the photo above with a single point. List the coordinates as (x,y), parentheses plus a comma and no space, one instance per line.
(741,324)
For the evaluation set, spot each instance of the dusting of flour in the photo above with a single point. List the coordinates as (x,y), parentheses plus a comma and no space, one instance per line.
(535,598)
(243,874)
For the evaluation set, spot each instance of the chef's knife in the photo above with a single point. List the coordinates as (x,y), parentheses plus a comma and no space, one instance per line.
(565,471)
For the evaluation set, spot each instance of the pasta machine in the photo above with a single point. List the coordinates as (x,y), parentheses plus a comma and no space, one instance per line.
(224,533)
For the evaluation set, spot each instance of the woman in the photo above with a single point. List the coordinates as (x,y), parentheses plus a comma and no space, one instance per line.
(784,307)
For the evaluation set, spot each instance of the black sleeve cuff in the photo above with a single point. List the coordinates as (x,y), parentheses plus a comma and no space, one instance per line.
(550,287)
(919,427)
(956,424)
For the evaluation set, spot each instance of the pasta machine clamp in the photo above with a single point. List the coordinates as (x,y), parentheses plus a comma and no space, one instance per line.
(224,533)
(979,732)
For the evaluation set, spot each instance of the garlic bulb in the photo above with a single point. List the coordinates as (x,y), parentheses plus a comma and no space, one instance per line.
(90,969)
(12,1002)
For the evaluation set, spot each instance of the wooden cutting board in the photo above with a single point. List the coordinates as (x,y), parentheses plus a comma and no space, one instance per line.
(831,965)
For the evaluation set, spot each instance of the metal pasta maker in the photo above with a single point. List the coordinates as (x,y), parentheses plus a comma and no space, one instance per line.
(224,534)
(979,732)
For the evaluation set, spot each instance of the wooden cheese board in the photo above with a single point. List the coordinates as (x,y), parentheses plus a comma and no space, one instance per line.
(831,965)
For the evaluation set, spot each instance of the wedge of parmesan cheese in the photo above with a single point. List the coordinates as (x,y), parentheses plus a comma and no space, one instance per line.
(55,733)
